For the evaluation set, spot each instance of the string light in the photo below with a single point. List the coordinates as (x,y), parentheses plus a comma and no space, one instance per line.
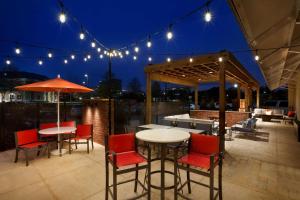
(40,62)
(169,33)
(220,59)
(168,59)
(89,56)
(149,59)
(207,14)
(136,49)
(8,62)
(99,49)
(62,17)
(191,60)
(149,43)
(72,56)
(256,57)
(17,50)
(127,52)
(134,58)
(93,44)
(50,55)
(101,56)
(85,59)
(81,34)
(66,61)
(235,85)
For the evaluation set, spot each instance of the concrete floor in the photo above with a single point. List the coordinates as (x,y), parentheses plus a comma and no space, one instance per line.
(265,166)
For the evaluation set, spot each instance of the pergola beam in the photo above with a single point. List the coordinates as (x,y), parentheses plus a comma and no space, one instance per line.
(169,79)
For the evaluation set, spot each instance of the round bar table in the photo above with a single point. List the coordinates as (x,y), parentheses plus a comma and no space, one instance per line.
(162,137)
(58,131)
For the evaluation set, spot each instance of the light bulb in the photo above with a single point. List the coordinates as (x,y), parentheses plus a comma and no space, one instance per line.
(99,49)
(40,62)
(72,56)
(207,16)
(191,60)
(168,59)
(8,62)
(235,85)
(101,56)
(256,57)
(62,17)
(169,35)
(89,56)
(50,55)
(220,59)
(85,59)
(81,36)
(18,50)
(66,61)
(136,49)
(93,44)
(149,43)
(149,59)
(134,57)
(127,52)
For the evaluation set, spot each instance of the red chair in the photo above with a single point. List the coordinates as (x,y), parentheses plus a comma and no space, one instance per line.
(45,136)
(203,156)
(83,132)
(67,136)
(27,141)
(121,151)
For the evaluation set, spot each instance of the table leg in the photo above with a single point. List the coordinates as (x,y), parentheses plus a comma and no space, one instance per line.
(59,144)
(163,155)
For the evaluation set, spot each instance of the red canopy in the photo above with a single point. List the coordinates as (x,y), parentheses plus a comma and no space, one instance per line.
(54,85)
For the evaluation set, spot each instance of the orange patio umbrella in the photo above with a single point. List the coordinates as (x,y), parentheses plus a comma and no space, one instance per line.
(55,85)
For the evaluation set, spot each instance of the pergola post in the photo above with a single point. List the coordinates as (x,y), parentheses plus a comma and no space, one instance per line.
(148,99)
(238,96)
(222,105)
(250,97)
(246,99)
(291,97)
(196,98)
(258,97)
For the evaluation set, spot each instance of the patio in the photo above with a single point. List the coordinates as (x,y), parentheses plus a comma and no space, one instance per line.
(261,167)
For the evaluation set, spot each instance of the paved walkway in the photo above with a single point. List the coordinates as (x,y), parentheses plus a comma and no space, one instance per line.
(265,166)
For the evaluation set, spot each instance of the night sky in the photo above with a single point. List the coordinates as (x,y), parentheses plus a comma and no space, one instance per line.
(116,24)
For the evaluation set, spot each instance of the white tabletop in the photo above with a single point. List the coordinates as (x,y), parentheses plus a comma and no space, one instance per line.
(58,130)
(154,126)
(190,130)
(162,135)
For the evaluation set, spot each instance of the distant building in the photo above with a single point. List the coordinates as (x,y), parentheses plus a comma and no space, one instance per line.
(10,79)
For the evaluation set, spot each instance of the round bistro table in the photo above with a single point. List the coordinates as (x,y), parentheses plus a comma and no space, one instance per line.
(162,137)
(58,131)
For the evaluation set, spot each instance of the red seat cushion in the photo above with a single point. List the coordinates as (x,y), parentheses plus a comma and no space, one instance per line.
(128,158)
(197,160)
(32,145)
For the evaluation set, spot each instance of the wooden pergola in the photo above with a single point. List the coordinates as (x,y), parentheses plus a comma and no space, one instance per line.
(218,67)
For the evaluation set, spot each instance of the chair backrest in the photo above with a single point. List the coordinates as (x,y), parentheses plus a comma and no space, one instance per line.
(26,137)
(47,125)
(204,144)
(68,124)
(84,130)
(121,142)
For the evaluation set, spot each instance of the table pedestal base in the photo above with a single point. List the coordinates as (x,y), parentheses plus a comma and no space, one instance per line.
(56,152)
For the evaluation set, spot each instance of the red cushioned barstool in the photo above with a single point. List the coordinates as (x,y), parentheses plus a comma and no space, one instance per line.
(27,141)
(203,156)
(121,151)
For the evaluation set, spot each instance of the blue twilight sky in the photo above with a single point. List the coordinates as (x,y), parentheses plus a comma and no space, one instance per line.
(116,24)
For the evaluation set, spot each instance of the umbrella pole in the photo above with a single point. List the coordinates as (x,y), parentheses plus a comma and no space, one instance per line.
(58,123)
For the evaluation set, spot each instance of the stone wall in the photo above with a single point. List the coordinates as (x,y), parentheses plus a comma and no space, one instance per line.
(231,117)
(95,111)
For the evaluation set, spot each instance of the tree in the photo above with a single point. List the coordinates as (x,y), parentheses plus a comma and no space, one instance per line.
(156,89)
(114,84)
(134,85)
